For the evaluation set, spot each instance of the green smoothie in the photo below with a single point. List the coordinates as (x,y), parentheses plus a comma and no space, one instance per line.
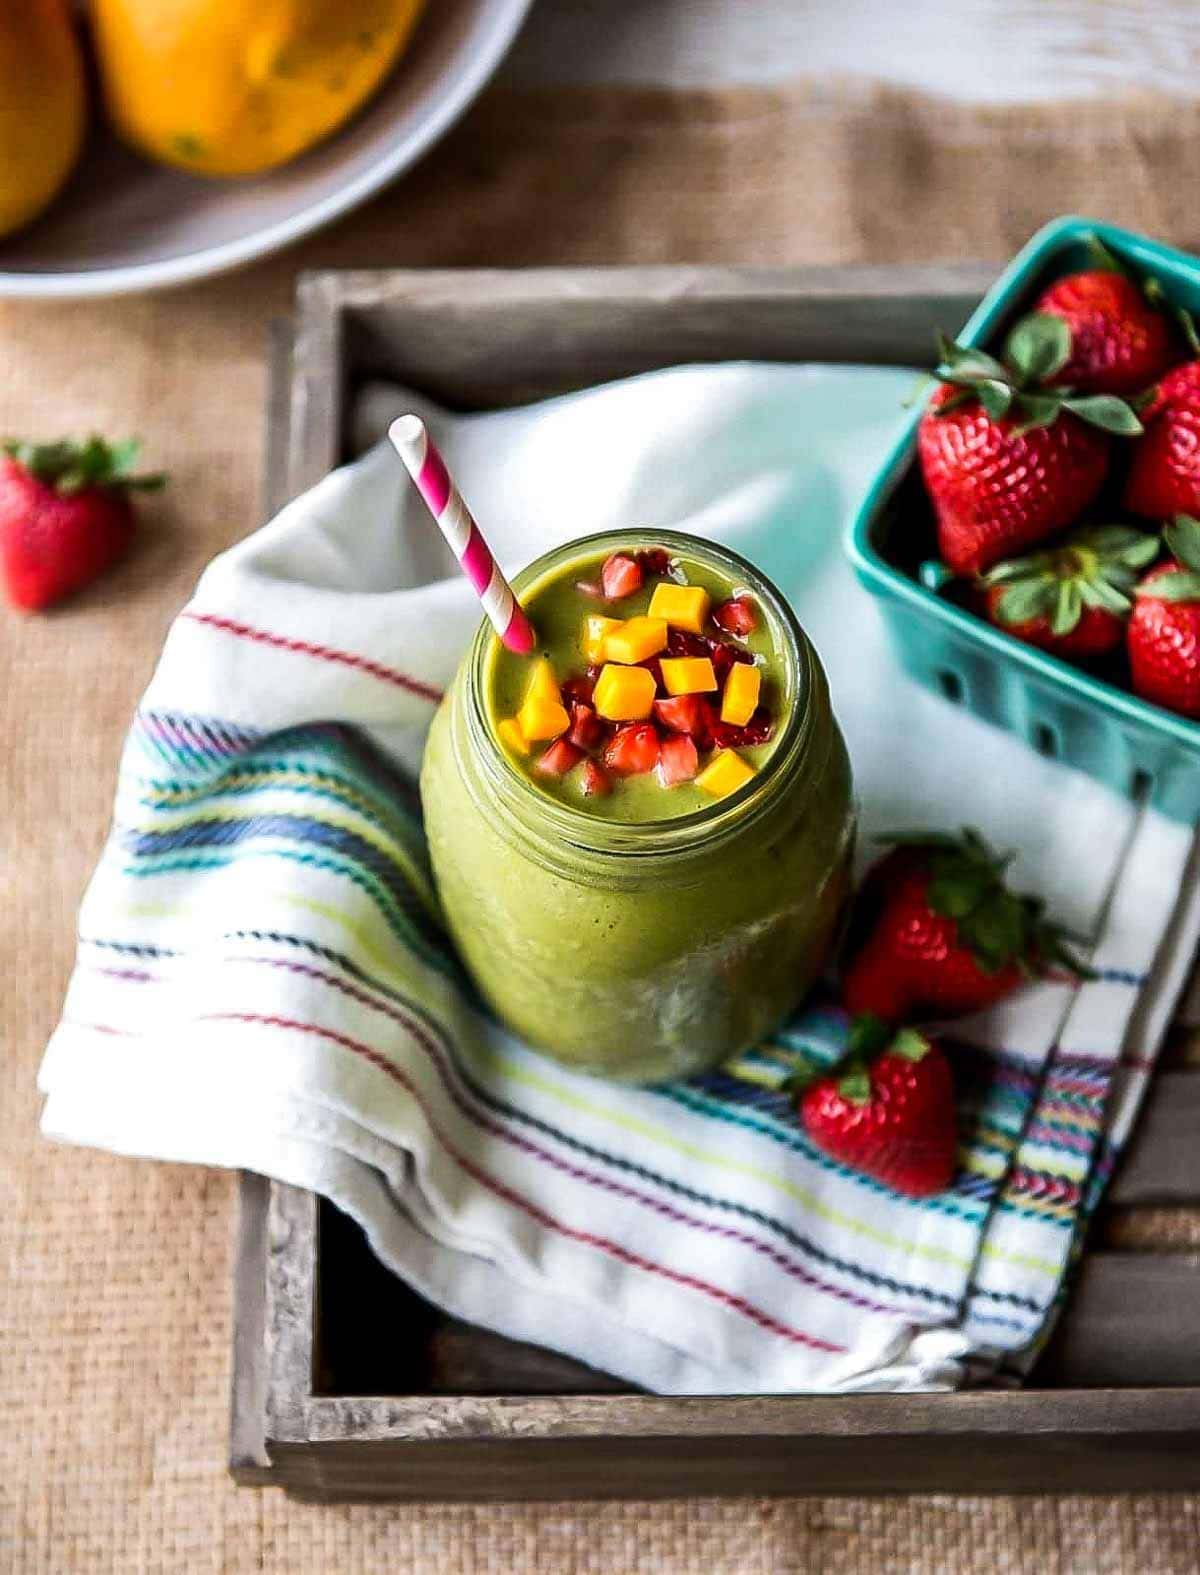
(717,622)
(650,930)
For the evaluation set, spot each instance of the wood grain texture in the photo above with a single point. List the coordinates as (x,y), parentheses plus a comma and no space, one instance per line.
(469,1415)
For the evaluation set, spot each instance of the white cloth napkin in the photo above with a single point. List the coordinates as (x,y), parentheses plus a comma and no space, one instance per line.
(262,982)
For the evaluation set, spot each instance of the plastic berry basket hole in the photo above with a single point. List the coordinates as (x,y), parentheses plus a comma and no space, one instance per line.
(941,639)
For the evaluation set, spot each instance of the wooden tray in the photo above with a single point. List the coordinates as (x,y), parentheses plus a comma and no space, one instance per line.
(346,1384)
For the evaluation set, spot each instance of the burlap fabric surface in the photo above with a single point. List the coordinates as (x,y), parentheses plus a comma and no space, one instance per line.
(115,1276)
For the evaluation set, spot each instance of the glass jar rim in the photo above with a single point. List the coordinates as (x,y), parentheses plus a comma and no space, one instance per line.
(584,833)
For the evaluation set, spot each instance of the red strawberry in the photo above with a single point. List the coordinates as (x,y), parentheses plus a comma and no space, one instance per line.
(578,689)
(594,781)
(725,735)
(1164,473)
(736,616)
(690,714)
(654,561)
(620,576)
(561,757)
(1120,343)
(65,515)
(1007,460)
(588,731)
(632,749)
(892,1118)
(937,932)
(677,760)
(1074,598)
(1163,638)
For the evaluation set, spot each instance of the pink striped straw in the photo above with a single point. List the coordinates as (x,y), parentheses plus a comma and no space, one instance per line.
(445,502)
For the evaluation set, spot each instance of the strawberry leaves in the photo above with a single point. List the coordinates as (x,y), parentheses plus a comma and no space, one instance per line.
(71,467)
(1182,537)
(1094,567)
(1037,348)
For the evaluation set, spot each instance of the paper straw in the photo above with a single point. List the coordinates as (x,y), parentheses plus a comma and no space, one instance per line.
(427,468)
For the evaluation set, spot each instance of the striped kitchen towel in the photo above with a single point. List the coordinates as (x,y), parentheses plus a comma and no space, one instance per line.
(263,980)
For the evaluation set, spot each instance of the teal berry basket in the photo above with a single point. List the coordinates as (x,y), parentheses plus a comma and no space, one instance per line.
(1086,719)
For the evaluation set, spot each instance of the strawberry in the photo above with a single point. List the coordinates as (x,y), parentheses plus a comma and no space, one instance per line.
(588,731)
(654,561)
(1074,598)
(1163,637)
(937,932)
(691,714)
(736,616)
(1120,341)
(1164,473)
(678,760)
(727,735)
(620,576)
(1007,459)
(561,757)
(889,1111)
(594,780)
(578,689)
(65,515)
(632,749)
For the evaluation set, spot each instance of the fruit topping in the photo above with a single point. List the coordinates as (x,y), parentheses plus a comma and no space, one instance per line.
(577,690)
(690,714)
(632,750)
(758,730)
(724,774)
(594,780)
(678,760)
(682,606)
(625,694)
(596,630)
(740,699)
(655,561)
(511,736)
(736,616)
(542,714)
(688,675)
(560,758)
(620,576)
(587,730)
(634,640)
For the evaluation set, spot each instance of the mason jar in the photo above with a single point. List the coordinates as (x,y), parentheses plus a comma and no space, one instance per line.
(642,950)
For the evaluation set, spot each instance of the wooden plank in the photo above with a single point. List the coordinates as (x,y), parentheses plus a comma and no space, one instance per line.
(248,1459)
(1133,1318)
(1162,1162)
(486,338)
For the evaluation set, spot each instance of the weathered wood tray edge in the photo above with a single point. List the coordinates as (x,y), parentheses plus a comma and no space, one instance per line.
(423,1447)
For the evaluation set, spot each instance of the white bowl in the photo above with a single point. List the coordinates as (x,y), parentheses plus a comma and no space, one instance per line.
(125,224)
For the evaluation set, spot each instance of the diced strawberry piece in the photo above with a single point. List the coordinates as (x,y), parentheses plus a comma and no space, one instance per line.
(691,714)
(587,729)
(652,664)
(620,576)
(560,758)
(654,561)
(681,642)
(677,760)
(632,750)
(757,730)
(594,780)
(577,690)
(590,588)
(736,616)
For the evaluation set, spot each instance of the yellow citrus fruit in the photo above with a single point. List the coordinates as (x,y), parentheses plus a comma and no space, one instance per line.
(43,106)
(233,87)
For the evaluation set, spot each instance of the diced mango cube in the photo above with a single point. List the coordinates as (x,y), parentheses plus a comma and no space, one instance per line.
(539,718)
(682,606)
(595,631)
(740,700)
(511,736)
(724,774)
(625,694)
(688,675)
(542,685)
(635,640)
